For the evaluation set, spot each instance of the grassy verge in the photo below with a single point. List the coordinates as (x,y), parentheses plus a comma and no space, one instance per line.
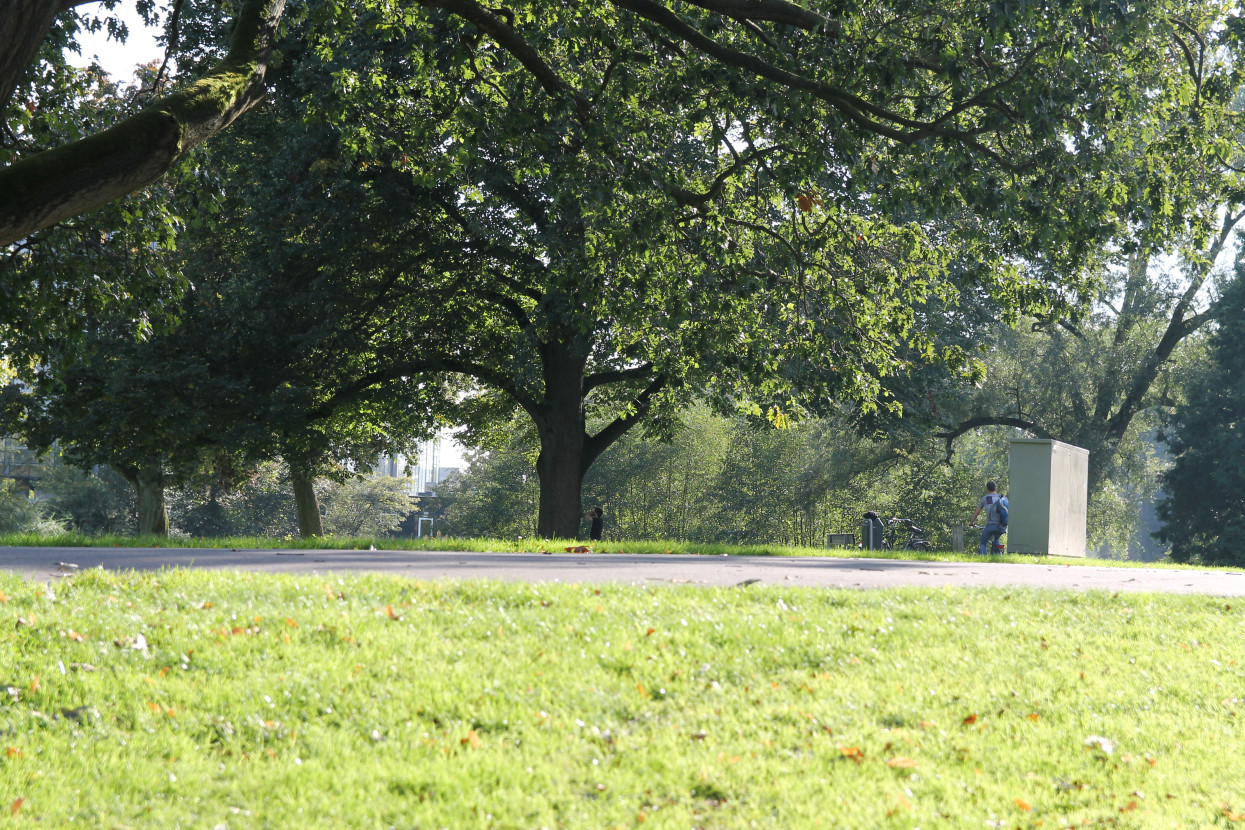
(659,547)
(200,699)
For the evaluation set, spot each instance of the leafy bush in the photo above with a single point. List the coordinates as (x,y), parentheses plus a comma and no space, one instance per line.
(367,506)
(93,503)
(21,513)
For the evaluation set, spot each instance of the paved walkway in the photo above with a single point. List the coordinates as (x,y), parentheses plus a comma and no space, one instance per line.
(813,572)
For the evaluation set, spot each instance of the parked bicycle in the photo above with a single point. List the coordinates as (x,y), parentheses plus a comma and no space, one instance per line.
(916,539)
(890,533)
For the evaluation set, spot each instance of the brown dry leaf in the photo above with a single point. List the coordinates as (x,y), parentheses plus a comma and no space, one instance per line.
(393,615)
(472,739)
(13,752)
(901,803)
(901,762)
(970,720)
(1032,716)
(852,752)
(1132,805)
(1022,804)
(16,805)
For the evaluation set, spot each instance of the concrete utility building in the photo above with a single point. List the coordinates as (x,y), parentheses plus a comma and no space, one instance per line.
(1048,498)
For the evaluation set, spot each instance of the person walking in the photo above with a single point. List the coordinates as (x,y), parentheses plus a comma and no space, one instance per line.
(995,506)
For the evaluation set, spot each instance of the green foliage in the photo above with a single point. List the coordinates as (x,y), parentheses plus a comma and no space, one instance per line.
(21,513)
(371,506)
(91,503)
(723,480)
(96,269)
(1203,506)
(260,504)
(656,490)
(498,497)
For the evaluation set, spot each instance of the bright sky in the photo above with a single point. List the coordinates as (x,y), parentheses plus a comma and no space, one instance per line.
(119,59)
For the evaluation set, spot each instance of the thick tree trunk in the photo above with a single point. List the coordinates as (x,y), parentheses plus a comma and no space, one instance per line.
(148,484)
(566,448)
(560,422)
(309,522)
(23,26)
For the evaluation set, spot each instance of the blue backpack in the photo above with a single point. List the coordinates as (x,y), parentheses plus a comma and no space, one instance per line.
(1001,505)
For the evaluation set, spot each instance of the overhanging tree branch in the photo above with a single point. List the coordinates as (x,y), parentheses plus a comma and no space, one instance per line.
(952,433)
(51,186)
(510,40)
(594,445)
(617,376)
(864,114)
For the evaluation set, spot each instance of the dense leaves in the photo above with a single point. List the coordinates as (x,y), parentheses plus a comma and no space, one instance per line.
(1204,505)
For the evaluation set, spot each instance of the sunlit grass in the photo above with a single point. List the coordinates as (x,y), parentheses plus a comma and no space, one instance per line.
(203,699)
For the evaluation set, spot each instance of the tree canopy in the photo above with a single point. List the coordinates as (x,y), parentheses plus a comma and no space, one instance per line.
(608,209)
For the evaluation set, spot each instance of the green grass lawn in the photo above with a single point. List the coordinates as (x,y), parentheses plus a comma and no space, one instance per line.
(204,699)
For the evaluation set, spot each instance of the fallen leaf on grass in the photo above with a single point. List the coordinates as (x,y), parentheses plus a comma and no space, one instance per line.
(472,739)
(16,805)
(970,720)
(1022,804)
(852,752)
(901,762)
(1230,814)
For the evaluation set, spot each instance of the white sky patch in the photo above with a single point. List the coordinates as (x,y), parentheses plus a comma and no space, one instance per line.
(118,59)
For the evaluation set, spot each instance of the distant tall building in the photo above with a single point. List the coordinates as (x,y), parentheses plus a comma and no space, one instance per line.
(425,472)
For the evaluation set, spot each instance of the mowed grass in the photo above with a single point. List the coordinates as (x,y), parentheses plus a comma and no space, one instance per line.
(207,699)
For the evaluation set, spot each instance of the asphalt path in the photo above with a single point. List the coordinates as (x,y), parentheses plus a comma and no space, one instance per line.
(810,572)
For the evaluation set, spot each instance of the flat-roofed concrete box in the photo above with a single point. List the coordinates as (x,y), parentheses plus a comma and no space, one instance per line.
(1049,494)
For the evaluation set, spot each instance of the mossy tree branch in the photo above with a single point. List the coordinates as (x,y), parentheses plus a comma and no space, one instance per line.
(51,186)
